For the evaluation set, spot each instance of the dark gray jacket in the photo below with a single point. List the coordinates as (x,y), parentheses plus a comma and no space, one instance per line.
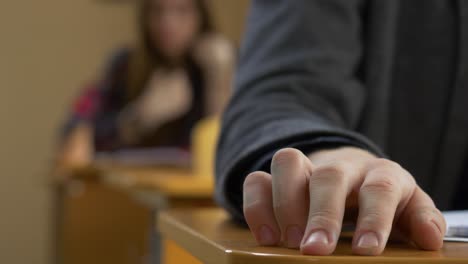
(389,76)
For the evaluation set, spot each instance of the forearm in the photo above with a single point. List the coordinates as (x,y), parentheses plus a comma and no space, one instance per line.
(296,82)
(76,148)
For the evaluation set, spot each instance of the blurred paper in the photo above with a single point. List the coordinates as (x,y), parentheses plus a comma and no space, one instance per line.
(147,157)
(457,226)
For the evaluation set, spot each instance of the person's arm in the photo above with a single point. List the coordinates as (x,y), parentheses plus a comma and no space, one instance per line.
(97,108)
(296,82)
(216,56)
(76,138)
(120,123)
(298,86)
(76,149)
(110,102)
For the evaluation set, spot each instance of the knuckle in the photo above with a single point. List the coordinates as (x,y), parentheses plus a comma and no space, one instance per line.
(256,177)
(254,208)
(251,210)
(391,172)
(324,218)
(333,174)
(286,156)
(384,184)
(256,190)
(288,213)
(374,219)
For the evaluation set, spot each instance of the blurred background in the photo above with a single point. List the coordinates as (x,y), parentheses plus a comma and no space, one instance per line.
(49,50)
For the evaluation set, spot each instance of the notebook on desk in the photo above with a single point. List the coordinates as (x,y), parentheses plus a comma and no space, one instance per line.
(457,226)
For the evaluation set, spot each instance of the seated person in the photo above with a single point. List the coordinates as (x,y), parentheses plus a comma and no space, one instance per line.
(153,94)
(346,106)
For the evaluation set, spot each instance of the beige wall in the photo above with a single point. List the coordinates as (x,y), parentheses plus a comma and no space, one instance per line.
(229,16)
(48,49)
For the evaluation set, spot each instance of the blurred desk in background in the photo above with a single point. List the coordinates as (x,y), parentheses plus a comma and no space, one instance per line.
(210,236)
(106,212)
(176,186)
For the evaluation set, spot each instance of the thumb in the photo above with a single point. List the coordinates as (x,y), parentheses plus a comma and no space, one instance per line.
(422,222)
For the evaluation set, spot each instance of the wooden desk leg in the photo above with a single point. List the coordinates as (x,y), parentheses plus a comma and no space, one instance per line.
(156,247)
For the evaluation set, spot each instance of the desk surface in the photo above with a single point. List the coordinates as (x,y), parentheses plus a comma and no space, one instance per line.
(170,181)
(209,235)
(173,182)
(88,198)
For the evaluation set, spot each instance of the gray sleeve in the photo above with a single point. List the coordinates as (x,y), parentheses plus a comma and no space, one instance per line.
(297,80)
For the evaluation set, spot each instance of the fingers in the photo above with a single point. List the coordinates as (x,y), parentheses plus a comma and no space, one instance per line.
(385,187)
(258,208)
(422,222)
(302,204)
(290,169)
(329,185)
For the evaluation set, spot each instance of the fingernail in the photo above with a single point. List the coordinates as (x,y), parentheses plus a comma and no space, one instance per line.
(368,240)
(318,237)
(265,236)
(293,236)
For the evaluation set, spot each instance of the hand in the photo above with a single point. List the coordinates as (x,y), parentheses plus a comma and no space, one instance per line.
(216,58)
(213,52)
(302,203)
(77,151)
(167,97)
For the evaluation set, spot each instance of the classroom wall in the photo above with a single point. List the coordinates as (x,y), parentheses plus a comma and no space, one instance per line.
(229,16)
(48,49)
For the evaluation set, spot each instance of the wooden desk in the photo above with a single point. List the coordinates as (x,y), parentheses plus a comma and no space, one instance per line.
(210,236)
(172,182)
(98,224)
(104,212)
(159,189)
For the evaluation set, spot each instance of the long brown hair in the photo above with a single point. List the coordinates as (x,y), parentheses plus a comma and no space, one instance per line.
(146,57)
